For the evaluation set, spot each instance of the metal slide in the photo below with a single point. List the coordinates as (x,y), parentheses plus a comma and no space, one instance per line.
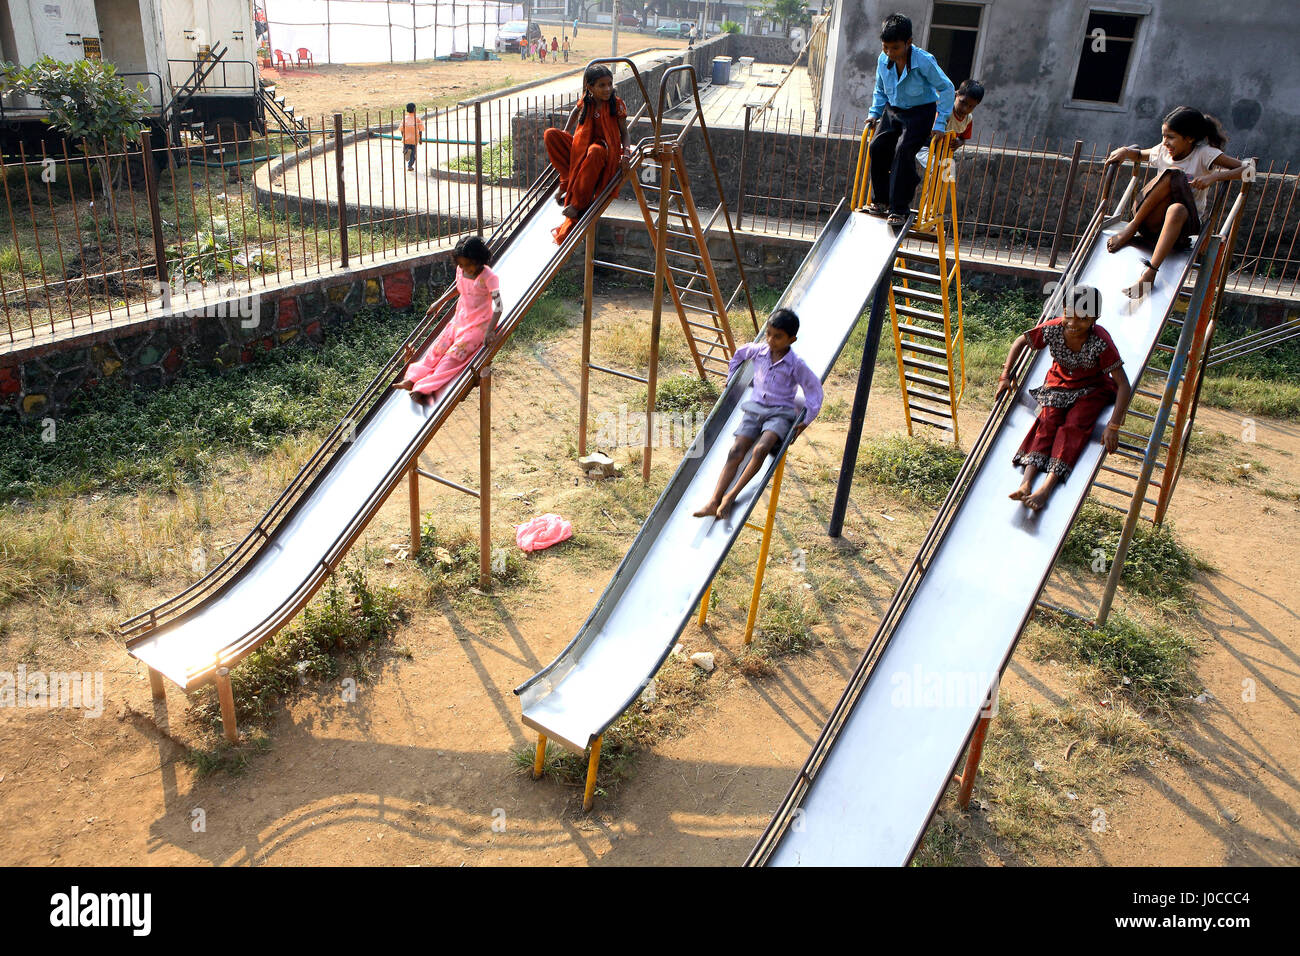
(226,615)
(661,580)
(890,747)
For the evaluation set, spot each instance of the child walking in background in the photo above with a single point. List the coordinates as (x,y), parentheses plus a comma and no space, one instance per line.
(590,150)
(969,95)
(912,101)
(473,326)
(771,410)
(1086,375)
(541,51)
(1172,207)
(412,130)
(555,48)
(566,49)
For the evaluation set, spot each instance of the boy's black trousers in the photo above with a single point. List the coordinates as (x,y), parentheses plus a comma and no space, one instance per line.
(900,134)
(408,154)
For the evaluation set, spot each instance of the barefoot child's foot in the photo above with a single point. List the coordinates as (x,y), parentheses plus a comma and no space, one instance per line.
(405,384)
(724,507)
(1121,239)
(1021,493)
(421,398)
(708,510)
(1145,283)
(1038,500)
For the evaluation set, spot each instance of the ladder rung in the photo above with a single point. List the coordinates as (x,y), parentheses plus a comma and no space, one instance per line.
(910,362)
(925,350)
(1165,348)
(676,270)
(918,330)
(682,252)
(693,308)
(1111,505)
(701,325)
(904,291)
(933,424)
(685,288)
(1128,474)
(1142,438)
(942,401)
(1134,454)
(926,380)
(1145,394)
(620,267)
(915,313)
(923,256)
(916,275)
(1134,411)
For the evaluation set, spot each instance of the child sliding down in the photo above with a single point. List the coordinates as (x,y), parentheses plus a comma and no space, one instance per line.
(474,325)
(591,148)
(1172,207)
(1081,382)
(771,410)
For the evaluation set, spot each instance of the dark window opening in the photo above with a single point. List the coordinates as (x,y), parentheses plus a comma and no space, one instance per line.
(1104,59)
(954,33)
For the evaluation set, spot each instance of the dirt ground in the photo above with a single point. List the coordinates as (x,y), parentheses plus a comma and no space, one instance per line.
(380,87)
(419,768)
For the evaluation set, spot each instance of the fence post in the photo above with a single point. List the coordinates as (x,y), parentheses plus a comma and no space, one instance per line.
(740,178)
(1065,203)
(155,211)
(338,172)
(478,163)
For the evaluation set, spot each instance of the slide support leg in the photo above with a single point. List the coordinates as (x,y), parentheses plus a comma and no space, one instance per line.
(593,762)
(539,761)
(845,485)
(156,685)
(966,782)
(227,697)
(763,548)
(485,479)
(413,481)
(704,604)
(588,275)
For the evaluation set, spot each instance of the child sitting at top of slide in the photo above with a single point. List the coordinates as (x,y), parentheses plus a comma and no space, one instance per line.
(969,95)
(912,101)
(1086,375)
(590,149)
(771,410)
(474,325)
(1172,207)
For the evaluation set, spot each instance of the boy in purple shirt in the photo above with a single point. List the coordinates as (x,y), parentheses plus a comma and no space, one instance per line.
(770,412)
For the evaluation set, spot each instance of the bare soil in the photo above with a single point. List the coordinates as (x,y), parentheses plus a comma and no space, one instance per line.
(419,768)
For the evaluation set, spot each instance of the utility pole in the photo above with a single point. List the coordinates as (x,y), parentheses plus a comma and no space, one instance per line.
(613,43)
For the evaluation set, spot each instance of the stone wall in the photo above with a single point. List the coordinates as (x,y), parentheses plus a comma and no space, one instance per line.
(149,353)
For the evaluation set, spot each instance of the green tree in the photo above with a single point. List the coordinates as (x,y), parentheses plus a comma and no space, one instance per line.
(788,12)
(730,26)
(87,102)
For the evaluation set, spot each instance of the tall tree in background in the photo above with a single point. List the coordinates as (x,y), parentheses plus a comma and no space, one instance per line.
(788,12)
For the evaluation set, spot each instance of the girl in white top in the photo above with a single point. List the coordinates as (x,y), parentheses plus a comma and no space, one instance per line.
(1172,207)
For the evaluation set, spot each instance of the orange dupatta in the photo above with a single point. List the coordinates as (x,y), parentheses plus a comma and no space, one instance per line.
(596,126)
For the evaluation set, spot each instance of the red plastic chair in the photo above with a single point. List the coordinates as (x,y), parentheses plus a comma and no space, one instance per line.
(282,62)
(304,56)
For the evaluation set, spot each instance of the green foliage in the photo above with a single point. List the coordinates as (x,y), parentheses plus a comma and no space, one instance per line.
(684,393)
(788,12)
(1152,661)
(922,468)
(450,558)
(1157,564)
(87,101)
(115,437)
(999,317)
(498,163)
(348,616)
(730,26)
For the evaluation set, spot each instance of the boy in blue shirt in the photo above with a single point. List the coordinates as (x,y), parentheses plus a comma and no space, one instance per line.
(770,411)
(911,105)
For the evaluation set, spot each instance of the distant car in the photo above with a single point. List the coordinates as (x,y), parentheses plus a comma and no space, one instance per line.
(673,30)
(511,35)
(629,20)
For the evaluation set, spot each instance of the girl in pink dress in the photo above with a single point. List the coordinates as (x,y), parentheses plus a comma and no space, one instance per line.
(472,327)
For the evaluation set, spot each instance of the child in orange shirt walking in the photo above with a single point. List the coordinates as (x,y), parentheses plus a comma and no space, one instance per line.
(412,130)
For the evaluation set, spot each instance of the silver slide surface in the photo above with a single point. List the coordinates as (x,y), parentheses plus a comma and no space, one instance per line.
(661,580)
(292,555)
(879,782)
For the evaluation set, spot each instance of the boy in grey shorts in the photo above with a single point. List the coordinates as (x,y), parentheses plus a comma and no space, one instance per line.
(778,374)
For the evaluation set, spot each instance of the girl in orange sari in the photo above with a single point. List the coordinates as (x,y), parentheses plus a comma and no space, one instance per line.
(590,150)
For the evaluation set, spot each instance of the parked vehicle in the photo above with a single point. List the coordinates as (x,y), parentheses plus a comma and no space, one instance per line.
(673,30)
(510,36)
(629,20)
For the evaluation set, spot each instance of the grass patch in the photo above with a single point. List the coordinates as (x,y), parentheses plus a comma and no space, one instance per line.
(684,393)
(450,560)
(226,758)
(498,163)
(550,315)
(347,618)
(117,438)
(786,619)
(921,468)
(1152,663)
(1274,397)
(1157,565)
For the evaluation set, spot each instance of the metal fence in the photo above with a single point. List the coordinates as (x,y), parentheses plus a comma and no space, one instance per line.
(249,211)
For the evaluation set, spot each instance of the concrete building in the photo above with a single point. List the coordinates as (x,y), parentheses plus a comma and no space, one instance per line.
(1103,71)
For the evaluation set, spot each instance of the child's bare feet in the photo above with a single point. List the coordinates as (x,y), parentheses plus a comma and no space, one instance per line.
(1038,500)
(1121,239)
(559,196)
(724,506)
(1145,283)
(405,384)
(708,510)
(421,398)
(1023,492)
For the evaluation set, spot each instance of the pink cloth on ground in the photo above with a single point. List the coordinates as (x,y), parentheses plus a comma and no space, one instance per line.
(543,531)
(463,336)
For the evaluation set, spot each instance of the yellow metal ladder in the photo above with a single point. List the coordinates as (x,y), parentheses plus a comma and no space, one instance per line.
(925,303)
